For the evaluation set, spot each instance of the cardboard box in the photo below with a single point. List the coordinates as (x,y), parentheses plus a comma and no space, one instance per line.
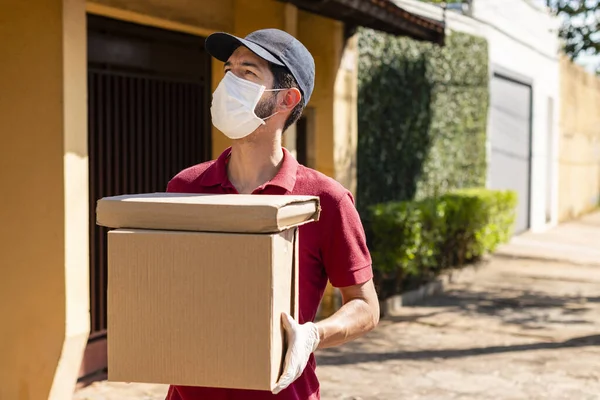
(191,302)
(207,213)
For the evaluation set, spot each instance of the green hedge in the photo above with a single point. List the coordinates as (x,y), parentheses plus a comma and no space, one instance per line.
(413,241)
(422,115)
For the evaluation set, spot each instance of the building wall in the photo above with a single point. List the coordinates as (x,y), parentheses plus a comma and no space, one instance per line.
(311,31)
(346,115)
(454,21)
(579,160)
(211,15)
(43,161)
(523,39)
(43,170)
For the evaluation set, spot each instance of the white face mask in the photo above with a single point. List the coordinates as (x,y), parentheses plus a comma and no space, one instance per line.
(233,106)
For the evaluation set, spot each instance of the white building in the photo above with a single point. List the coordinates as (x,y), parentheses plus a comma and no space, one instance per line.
(524,87)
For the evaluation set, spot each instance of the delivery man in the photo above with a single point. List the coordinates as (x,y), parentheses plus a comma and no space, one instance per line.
(269,78)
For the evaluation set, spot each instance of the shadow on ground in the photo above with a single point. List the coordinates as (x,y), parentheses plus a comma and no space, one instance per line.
(344,359)
(546,259)
(509,305)
(527,309)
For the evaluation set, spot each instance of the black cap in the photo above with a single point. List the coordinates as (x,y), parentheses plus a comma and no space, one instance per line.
(273,45)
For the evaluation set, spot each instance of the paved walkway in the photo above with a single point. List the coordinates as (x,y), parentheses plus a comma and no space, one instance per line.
(525,326)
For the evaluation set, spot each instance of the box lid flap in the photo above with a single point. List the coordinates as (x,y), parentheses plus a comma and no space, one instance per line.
(236,213)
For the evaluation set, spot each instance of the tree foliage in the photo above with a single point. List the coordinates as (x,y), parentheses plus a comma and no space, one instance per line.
(581,27)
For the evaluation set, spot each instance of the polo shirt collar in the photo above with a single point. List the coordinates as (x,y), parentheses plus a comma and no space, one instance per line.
(216,174)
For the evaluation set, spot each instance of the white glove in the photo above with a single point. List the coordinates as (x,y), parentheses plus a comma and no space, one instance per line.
(302,341)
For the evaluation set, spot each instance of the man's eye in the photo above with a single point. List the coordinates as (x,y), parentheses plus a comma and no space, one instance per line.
(248,72)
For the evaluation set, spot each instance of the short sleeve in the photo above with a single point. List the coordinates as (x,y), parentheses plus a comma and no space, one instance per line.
(173,186)
(344,249)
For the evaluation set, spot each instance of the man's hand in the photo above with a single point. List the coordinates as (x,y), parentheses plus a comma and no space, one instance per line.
(302,341)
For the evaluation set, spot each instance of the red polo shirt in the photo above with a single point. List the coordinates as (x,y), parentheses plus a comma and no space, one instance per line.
(333,248)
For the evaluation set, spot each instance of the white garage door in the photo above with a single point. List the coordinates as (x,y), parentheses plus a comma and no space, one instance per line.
(510,137)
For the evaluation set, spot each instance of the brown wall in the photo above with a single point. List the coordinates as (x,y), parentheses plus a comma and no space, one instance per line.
(345,114)
(44,298)
(212,15)
(579,143)
(311,31)
(43,208)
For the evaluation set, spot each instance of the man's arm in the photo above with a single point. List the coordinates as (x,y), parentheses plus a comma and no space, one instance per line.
(347,262)
(358,315)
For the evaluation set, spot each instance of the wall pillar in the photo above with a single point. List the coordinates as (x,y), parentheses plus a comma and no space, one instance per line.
(291,27)
(333,108)
(334,102)
(345,112)
(44,303)
(579,143)
(321,37)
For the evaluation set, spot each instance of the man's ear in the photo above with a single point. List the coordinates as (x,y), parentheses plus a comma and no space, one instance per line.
(290,99)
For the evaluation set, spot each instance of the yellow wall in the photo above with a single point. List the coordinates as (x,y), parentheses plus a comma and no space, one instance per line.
(210,15)
(345,115)
(334,100)
(579,146)
(43,172)
(43,161)
(290,25)
(312,29)
(334,109)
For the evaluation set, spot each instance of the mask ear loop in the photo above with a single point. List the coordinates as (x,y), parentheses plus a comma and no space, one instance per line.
(272,115)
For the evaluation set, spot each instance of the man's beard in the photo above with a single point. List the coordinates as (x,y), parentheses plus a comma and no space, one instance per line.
(266,108)
(263,109)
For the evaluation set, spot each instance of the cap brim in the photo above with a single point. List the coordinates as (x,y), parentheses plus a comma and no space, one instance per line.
(222,45)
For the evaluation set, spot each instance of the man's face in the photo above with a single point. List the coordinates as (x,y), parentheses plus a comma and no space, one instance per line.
(246,65)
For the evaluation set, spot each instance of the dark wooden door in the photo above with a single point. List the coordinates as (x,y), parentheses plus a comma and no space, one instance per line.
(302,141)
(149,98)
